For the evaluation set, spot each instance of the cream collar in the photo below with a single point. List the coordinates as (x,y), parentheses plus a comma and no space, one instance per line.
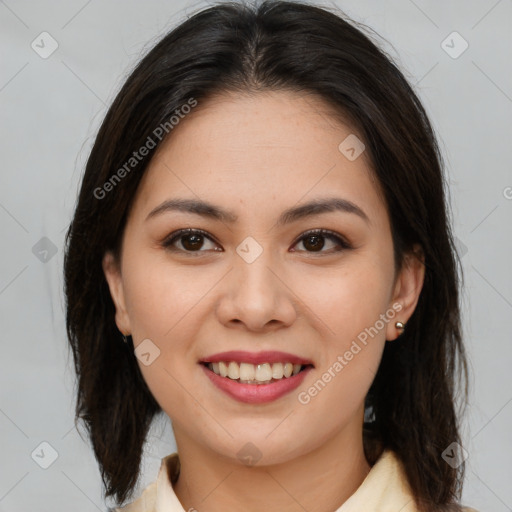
(385,489)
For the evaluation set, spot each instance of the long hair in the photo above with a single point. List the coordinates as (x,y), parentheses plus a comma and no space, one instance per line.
(294,46)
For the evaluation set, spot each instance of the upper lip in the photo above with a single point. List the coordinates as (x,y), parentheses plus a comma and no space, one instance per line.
(269,356)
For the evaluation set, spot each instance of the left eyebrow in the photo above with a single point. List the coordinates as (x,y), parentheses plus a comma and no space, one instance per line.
(318,206)
(205,209)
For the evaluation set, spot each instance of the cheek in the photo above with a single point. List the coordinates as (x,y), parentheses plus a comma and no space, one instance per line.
(355,308)
(346,300)
(330,401)
(161,295)
(352,305)
(350,355)
(164,302)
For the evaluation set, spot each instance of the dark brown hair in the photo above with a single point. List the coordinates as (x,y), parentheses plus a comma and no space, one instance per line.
(276,45)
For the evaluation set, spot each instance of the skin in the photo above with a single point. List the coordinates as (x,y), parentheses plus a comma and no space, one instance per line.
(257,156)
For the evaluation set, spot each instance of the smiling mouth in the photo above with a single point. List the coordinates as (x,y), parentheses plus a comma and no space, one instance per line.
(248,373)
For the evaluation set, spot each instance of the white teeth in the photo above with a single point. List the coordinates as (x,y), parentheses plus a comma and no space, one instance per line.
(263,372)
(246,371)
(233,370)
(254,374)
(223,369)
(277,370)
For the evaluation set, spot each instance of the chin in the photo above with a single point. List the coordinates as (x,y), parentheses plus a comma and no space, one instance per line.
(259,450)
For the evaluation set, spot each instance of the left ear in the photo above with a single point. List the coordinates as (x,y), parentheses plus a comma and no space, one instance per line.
(408,286)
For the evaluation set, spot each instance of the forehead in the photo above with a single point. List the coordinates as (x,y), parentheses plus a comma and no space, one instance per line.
(250,149)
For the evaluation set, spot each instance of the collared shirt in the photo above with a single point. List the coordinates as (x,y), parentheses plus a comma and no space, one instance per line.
(385,489)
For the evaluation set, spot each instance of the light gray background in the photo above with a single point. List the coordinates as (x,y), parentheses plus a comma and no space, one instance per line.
(50,111)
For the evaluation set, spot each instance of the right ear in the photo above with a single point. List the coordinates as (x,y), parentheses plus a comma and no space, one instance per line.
(115,283)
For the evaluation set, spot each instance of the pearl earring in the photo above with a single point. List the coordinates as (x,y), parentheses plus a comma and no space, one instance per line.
(400,326)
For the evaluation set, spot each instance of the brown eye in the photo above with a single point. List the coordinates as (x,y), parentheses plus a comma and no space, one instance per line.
(191,240)
(314,241)
(195,240)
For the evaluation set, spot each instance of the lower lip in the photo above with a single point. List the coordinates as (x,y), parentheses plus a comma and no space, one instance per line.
(256,393)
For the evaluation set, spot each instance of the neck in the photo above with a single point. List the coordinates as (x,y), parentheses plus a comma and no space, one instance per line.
(318,481)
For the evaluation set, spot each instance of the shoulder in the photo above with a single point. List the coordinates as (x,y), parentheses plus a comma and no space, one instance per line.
(387,482)
(147,501)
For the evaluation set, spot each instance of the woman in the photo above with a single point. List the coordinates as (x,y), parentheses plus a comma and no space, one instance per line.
(262,221)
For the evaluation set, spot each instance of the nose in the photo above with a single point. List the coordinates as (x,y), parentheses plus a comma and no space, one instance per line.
(256,296)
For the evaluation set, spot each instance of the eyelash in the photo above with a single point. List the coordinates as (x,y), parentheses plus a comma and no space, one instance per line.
(331,235)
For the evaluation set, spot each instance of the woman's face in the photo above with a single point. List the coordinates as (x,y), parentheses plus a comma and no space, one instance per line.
(252,281)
